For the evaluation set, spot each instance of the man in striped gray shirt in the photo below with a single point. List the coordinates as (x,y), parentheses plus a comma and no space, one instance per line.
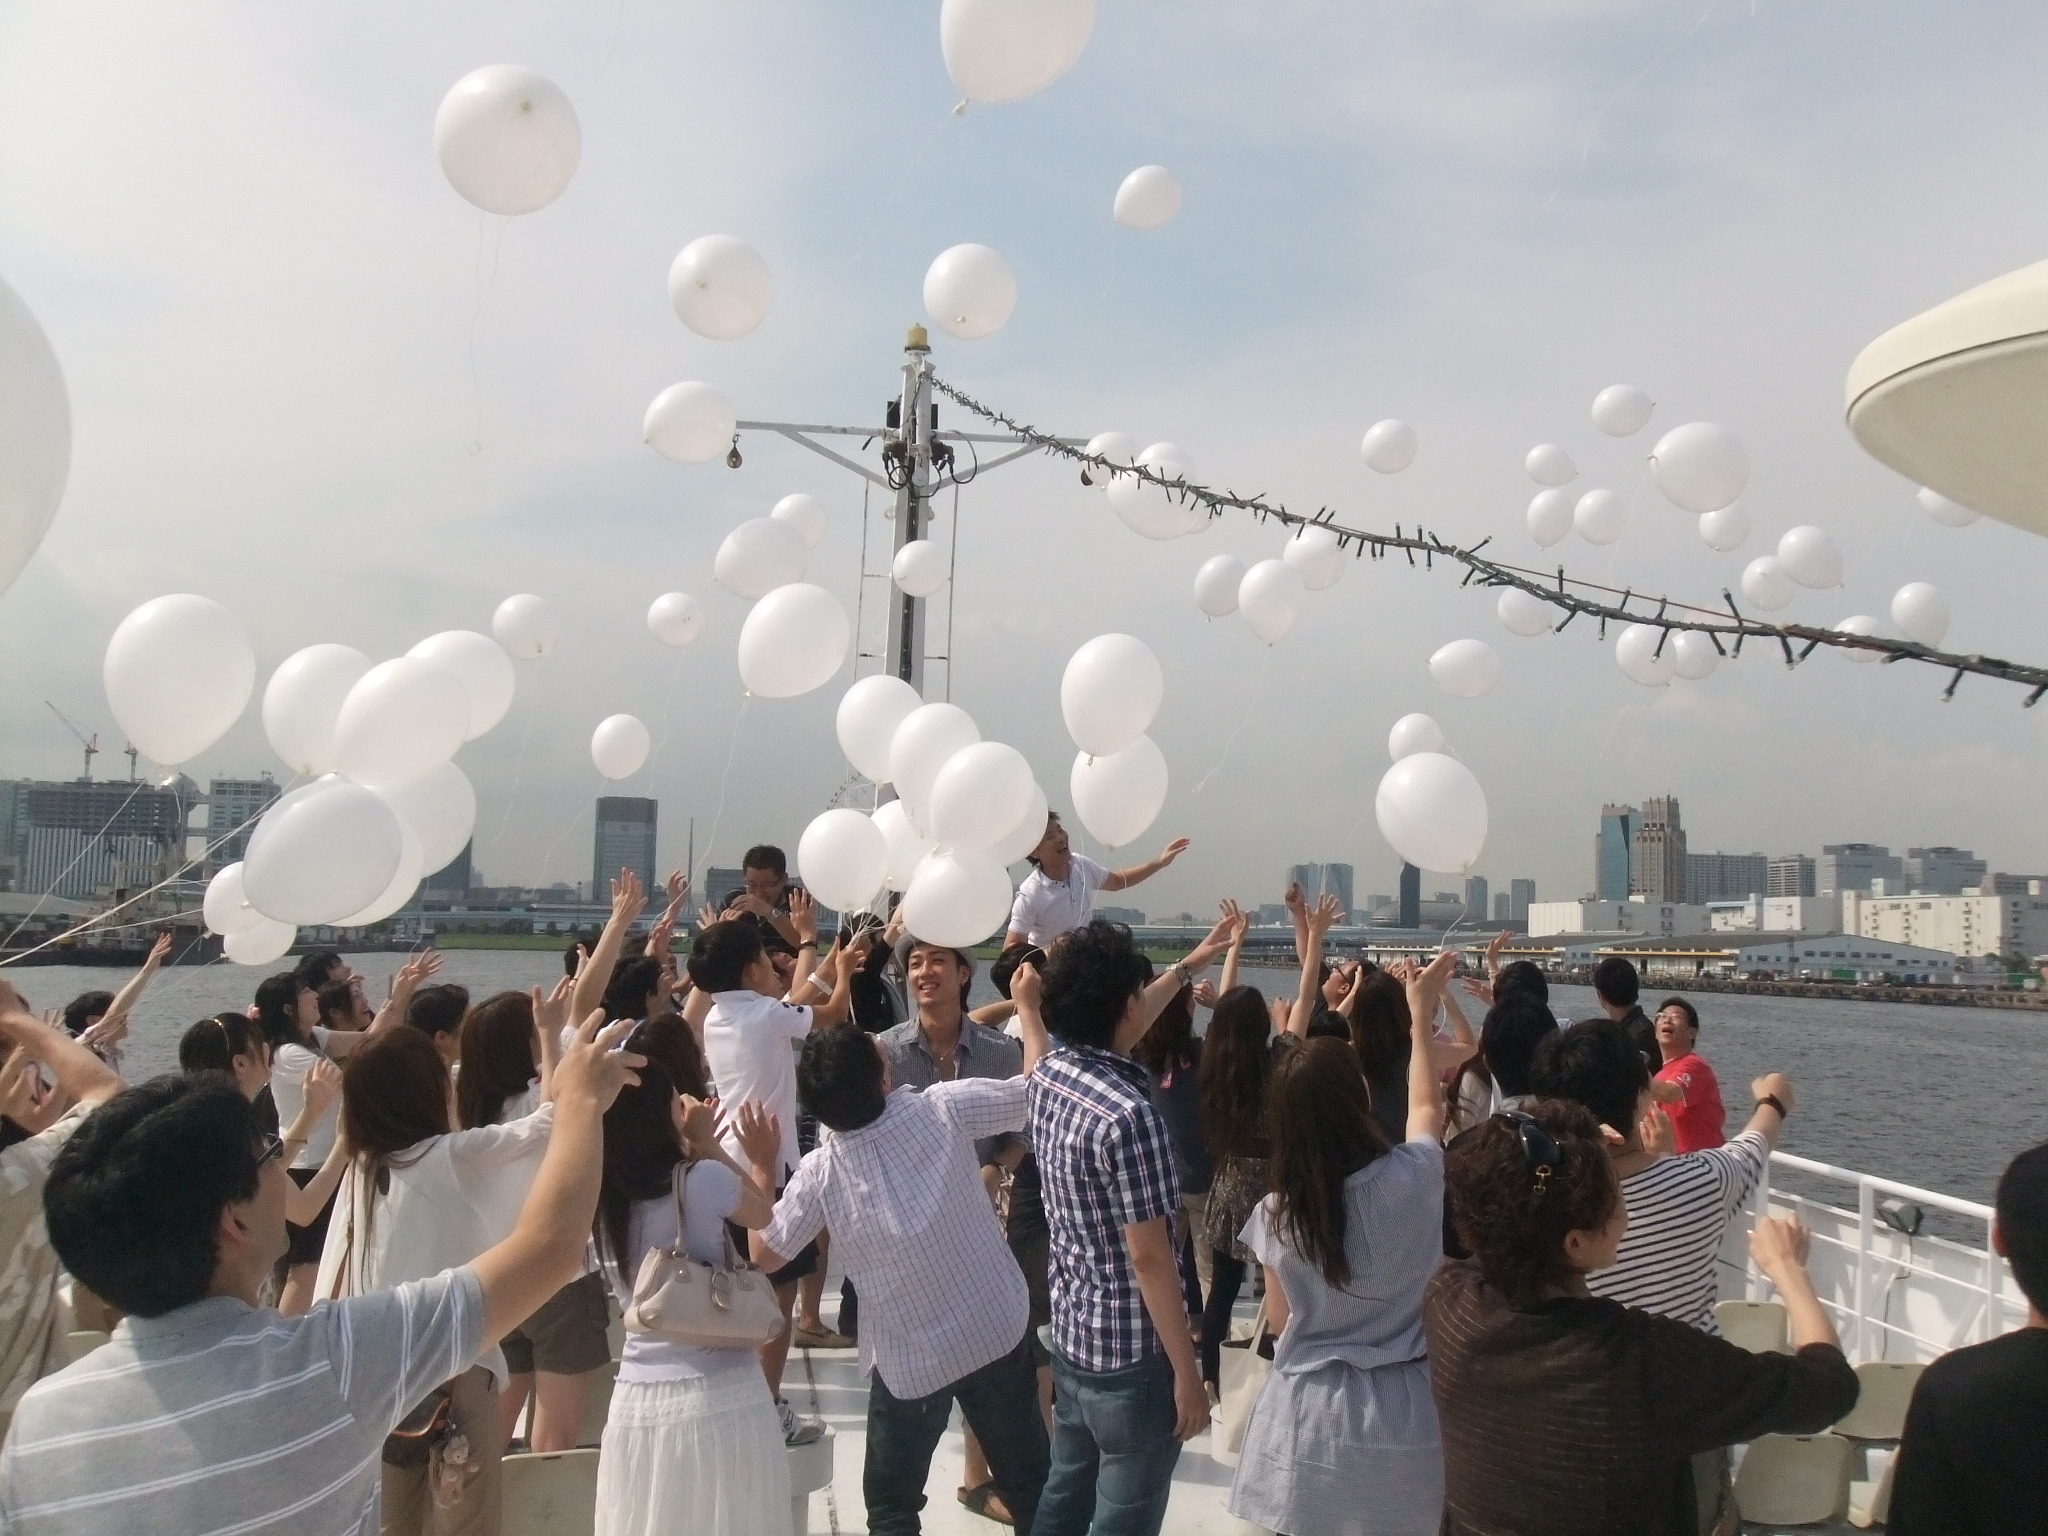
(207,1413)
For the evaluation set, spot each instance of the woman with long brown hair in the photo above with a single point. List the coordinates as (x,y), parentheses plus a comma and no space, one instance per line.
(1343,1440)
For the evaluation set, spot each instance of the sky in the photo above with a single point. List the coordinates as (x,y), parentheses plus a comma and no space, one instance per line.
(311,382)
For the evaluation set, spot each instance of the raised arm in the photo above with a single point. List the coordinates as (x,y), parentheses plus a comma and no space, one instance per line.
(81,1076)
(1779,1248)
(803,985)
(1764,1119)
(1123,879)
(628,899)
(1183,971)
(126,999)
(1425,989)
(1320,920)
(1239,923)
(838,1008)
(416,970)
(754,1126)
(550,1015)
(1025,991)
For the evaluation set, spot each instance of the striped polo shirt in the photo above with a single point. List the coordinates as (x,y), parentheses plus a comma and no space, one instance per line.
(1679,1209)
(220,1419)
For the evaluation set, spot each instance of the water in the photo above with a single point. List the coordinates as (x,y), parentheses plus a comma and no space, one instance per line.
(1938,1097)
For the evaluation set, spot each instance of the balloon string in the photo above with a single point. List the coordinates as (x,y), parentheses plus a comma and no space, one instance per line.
(518,766)
(675,673)
(1250,703)
(483,287)
(891,213)
(84,848)
(547,857)
(731,750)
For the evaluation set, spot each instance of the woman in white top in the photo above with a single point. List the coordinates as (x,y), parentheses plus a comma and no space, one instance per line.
(418,1198)
(693,1445)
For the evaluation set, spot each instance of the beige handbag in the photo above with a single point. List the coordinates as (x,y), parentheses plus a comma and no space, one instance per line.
(1241,1372)
(706,1306)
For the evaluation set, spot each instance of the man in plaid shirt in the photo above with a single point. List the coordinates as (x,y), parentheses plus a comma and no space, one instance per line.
(1128,1387)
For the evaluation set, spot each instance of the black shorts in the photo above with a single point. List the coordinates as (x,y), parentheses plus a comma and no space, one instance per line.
(306,1242)
(567,1336)
(804,1263)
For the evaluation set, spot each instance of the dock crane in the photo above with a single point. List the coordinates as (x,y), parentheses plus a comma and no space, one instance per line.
(90,743)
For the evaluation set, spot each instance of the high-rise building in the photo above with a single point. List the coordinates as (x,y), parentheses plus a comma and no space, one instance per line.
(1790,875)
(1411,897)
(1316,879)
(1614,852)
(2014,885)
(1520,894)
(1659,872)
(1942,871)
(1725,876)
(232,806)
(1853,866)
(1475,898)
(1503,905)
(71,838)
(452,878)
(625,840)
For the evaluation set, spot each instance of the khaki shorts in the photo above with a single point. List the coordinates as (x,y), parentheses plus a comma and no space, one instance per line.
(567,1336)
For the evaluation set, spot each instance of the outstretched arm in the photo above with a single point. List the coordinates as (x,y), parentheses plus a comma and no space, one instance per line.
(1025,991)
(1183,971)
(81,1076)
(1425,989)
(627,901)
(113,1022)
(1123,879)
(1320,919)
(1238,924)
(403,985)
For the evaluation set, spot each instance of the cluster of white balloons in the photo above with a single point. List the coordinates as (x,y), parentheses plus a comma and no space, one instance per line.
(35,435)
(797,633)
(1146,507)
(1653,656)
(1429,806)
(1110,694)
(1599,516)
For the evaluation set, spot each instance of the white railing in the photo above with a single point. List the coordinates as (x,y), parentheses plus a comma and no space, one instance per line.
(1947,1293)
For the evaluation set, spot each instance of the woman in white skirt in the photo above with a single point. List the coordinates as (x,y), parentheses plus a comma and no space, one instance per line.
(1343,1440)
(692,1445)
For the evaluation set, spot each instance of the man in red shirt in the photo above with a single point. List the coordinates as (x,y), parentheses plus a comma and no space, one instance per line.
(1685,1086)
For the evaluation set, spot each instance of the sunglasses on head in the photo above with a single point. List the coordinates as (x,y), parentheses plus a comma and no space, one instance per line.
(1539,1148)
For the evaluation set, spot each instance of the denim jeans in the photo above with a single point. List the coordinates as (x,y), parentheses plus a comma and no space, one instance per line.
(1113,1449)
(1000,1404)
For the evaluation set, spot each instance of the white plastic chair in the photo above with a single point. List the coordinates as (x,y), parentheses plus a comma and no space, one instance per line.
(1757,1326)
(810,1468)
(1871,1503)
(550,1495)
(1880,1411)
(1795,1479)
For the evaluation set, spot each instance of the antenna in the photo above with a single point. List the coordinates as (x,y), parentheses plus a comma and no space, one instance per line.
(90,743)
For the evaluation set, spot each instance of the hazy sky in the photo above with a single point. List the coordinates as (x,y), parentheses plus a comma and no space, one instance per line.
(309,381)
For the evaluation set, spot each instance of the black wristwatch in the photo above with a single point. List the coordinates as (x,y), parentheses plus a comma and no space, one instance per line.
(1776,1103)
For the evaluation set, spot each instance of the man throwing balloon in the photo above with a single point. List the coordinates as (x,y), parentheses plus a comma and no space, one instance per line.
(1058,895)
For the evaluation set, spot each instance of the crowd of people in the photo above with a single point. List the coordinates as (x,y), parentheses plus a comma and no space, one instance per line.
(351,1255)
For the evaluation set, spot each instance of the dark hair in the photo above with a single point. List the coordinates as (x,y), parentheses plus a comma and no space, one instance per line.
(632,983)
(1595,1064)
(1513,1029)
(394,1095)
(317,969)
(721,954)
(1323,1132)
(641,1151)
(2022,1207)
(1091,975)
(1521,978)
(1380,1027)
(1237,1066)
(134,1198)
(1171,1039)
(438,1010)
(212,1044)
(277,1008)
(1692,1014)
(497,1057)
(666,1038)
(1052,819)
(1616,981)
(338,998)
(80,1012)
(766,856)
(1006,963)
(1514,1223)
(839,1078)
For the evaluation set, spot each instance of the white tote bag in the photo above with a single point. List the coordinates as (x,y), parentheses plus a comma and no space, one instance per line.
(1241,1373)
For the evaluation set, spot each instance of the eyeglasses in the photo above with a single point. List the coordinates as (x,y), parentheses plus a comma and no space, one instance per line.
(273,1146)
(1539,1147)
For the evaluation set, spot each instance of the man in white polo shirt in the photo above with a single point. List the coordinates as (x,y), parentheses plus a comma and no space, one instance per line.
(1058,895)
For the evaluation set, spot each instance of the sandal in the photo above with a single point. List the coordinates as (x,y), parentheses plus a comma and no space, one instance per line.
(986,1502)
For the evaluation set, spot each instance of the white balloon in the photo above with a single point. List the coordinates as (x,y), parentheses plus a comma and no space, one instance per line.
(178,672)
(794,640)
(401,718)
(1694,654)
(920,568)
(35,435)
(927,738)
(1921,613)
(1549,464)
(1550,517)
(1600,517)
(1170,459)
(1026,835)
(1622,410)
(957,899)
(970,291)
(226,906)
(483,666)
(527,626)
(1271,597)
(674,618)
(619,746)
(1313,550)
(979,796)
(1811,557)
(1700,466)
(302,701)
(759,556)
(507,139)
(1216,585)
(1727,529)
(691,423)
(1111,448)
(1646,656)
(439,809)
(398,890)
(322,851)
(1154,510)
(1389,446)
(869,713)
(907,845)
(804,513)
(1467,668)
(1149,196)
(1524,613)
(1950,514)
(1412,734)
(721,287)
(1117,797)
(841,859)
(1004,50)
(1860,624)
(269,940)
(1766,585)
(1432,812)
(1110,694)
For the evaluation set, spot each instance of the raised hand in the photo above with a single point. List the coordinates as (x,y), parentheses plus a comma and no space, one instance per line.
(699,1125)
(17,1086)
(551,1012)
(1493,948)
(1294,901)
(590,1067)
(160,950)
(1657,1134)
(759,1134)
(677,886)
(323,1086)
(1026,986)
(803,914)
(1172,851)
(1323,916)
(629,897)
(1239,921)
(1205,992)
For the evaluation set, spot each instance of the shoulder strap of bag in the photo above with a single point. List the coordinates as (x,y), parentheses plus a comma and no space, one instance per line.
(348,1246)
(677,1181)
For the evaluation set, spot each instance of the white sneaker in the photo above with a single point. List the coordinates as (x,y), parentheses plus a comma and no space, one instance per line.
(796,1431)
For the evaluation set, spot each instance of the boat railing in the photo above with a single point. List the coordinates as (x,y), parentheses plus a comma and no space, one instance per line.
(1894,1293)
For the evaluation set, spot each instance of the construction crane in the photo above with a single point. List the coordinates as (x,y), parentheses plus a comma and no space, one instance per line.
(90,743)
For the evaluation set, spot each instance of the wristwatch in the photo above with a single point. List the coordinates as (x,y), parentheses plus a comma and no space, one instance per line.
(1180,969)
(1776,1103)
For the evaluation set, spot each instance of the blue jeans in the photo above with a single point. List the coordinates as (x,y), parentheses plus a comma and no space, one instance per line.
(1113,1450)
(1000,1403)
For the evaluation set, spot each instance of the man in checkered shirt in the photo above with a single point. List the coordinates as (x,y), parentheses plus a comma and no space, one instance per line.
(1127,1387)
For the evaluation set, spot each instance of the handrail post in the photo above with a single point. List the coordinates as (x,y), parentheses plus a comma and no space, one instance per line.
(1994,1323)
(1866,1233)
